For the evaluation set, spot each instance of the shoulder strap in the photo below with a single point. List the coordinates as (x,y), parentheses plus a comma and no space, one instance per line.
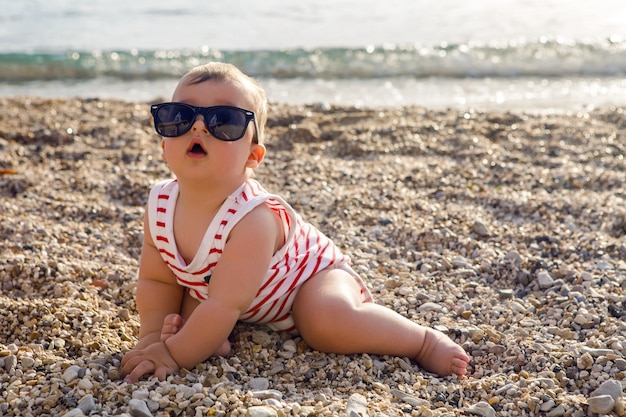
(151,208)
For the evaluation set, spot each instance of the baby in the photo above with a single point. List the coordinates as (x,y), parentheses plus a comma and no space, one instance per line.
(219,248)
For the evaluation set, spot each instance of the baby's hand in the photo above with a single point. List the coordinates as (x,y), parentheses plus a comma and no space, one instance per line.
(154,359)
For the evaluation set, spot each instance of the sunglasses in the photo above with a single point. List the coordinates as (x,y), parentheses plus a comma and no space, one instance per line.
(225,123)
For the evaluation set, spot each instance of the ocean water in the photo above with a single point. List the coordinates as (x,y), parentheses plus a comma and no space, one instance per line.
(506,54)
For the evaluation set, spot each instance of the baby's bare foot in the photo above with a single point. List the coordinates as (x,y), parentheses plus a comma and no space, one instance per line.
(174,322)
(439,354)
(171,325)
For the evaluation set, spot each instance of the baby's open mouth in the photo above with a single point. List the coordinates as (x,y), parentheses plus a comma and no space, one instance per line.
(197,149)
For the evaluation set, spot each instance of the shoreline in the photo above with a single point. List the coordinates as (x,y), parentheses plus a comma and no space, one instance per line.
(503,229)
(527,94)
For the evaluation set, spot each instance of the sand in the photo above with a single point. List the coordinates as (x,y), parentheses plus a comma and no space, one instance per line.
(504,230)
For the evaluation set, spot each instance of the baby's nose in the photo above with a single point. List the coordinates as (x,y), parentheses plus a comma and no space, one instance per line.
(201,126)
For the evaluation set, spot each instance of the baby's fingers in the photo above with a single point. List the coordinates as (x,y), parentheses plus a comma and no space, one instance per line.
(142,368)
(162,372)
(129,358)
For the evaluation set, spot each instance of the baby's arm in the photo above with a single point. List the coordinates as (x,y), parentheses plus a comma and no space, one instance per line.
(234,284)
(158,293)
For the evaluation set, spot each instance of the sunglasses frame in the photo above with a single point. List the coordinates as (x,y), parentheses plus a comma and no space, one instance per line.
(204,111)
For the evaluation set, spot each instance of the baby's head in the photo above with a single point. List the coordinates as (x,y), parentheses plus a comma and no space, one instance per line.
(222,72)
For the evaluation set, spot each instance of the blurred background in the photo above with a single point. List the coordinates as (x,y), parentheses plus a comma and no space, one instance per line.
(547,55)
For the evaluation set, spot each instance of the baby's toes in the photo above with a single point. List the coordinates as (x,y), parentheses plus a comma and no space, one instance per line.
(173,320)
(458,366)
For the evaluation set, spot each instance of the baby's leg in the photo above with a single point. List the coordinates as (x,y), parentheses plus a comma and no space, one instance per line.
(331,317)
(174,322)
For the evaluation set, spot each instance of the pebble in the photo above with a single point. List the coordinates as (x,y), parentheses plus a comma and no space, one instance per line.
(429,307)
(483,409)
(262,411)
(505,294)
(9,363)
(601,404)
(611,387)
(585,361)
(268,393)
(71,373)
(87,404)
(259,384)
(544,279)
(139,408)
(408,398)
(557,411)
(480,229)
(74,413)
(356,406)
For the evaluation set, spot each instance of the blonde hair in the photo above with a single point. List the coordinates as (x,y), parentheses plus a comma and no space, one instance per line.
(219,71)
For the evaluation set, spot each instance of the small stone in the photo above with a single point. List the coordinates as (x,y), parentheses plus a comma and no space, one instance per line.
(139,408)
(124,314)
(71,373)
(480,229)
(596,352)
(601,404)
(98,283)
(268,393)
(483,409)
(585,361)
(75,412)
(620,364)
(259,384)
(505,388)
(113,374)
(85,384)
(290,346)
(544,279)
(514,257)
(441,328)
(10,362)
(408,398)
(548,405)
(27,362)
(547,382)
(141,394)
(261,338)
(425,411)
(505,294)
(557,411)
(356,406)
(610,387)
(87,404)
(429,306)
(262,411)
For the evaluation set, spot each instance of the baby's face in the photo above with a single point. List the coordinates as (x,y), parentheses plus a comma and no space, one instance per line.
(197,155)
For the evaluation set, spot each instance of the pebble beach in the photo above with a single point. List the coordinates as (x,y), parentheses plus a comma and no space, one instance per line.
(504,230)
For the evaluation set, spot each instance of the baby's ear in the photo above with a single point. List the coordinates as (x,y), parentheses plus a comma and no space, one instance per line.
(257,153)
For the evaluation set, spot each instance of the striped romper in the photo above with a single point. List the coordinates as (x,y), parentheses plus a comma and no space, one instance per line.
(306,251)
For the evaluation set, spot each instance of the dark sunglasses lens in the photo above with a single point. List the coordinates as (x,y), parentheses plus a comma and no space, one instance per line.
(173,120)
(227,124)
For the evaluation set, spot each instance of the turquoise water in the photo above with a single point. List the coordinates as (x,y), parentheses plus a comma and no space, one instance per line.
(491,54)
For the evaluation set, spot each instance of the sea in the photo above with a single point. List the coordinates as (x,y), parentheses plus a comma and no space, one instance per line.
(532,55)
